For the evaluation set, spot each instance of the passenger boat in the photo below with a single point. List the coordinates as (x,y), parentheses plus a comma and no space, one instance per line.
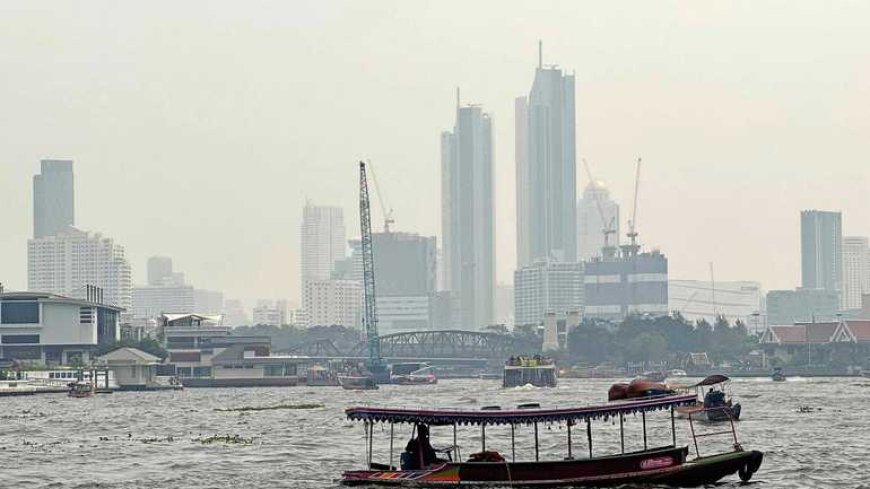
(357,382)
(81,389)
(536,371)
(421,467)
(423,376)
(715,404)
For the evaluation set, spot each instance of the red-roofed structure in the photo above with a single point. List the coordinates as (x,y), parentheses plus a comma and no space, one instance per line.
(845,343)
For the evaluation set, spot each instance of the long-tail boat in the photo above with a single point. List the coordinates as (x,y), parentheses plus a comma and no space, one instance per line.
(668,464)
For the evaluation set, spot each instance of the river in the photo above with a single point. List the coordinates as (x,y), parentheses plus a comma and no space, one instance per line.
(196,439)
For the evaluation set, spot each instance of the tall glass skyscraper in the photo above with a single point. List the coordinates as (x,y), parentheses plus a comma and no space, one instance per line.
(546,169)
(53,206)
(468,224)
(822,250)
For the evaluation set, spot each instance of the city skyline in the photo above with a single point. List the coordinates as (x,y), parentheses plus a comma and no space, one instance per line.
(736,145)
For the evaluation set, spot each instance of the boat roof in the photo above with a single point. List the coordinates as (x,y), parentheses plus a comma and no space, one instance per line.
(713,380)
(516,416)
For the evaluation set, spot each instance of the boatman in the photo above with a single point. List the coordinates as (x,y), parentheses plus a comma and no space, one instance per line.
(419,450)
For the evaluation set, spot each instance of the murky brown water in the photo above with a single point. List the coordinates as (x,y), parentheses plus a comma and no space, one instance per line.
(153,439)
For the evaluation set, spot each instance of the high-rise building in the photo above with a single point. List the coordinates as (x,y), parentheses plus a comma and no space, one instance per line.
(159,270)
(468,217)
(152,301)
(208,302)
(53,198)
(65,263)
(234,313)
(628,284)
(821,250)
(590,226)
(856,270)
(331,302)
(271,313)
(546,169)
(547,288)
(323,241)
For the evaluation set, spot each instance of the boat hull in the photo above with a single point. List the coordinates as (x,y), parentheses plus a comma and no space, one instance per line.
(661,466)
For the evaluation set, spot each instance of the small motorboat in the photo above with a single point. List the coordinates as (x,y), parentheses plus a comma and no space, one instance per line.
(677,372)
(80,389)
(715,405)
(357,382)
(423,376)
(777,375)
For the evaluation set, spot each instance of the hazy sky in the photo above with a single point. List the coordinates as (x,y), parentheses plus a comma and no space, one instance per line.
(199,129)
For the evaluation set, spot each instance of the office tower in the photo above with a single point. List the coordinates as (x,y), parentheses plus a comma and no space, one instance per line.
(208,302)
(53,198)
(234,313)
(323,241)
(590,226)
(628,284)
(468,220)
(821,250)
(152,301)
(546,169)
(159,270)
(786,307)
(856,270)
(68,261)
(547,288)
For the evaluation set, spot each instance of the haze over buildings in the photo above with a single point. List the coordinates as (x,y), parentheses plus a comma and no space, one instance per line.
(53,198)
(596,203)
(468,216)
(203,149)
(821,251)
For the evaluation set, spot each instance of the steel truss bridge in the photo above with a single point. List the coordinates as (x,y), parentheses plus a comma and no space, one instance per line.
(442,345)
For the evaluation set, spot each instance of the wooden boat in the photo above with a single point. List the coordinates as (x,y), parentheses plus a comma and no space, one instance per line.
(714,405)
(670,465)
(357,382)
(80,389)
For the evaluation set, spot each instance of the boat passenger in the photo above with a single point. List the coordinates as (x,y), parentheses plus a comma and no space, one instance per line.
(418,452)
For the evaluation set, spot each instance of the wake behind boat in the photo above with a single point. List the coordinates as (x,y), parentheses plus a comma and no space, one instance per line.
(422,465)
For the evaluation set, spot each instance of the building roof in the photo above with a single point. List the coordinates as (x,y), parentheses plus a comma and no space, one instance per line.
(54,298)
(854,330)
(215,318)
(129,356)
(801,333)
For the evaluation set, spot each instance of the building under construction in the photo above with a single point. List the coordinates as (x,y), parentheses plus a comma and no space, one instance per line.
(630,283)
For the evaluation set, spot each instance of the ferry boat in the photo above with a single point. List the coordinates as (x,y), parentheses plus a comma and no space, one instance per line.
(537,371)
(422,465)
(421,375)
(81,389)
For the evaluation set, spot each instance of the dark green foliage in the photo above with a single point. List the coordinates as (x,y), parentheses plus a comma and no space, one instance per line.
(664,339)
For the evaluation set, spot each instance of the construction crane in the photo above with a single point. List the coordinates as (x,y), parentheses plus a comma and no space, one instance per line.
(632,248)
(388,215)
(607,251)
(375,363)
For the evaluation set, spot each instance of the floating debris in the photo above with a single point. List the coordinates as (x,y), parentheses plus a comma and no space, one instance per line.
(269,408)
(227,439)
(808,409)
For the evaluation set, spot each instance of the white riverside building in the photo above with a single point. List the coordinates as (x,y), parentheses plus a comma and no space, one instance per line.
(699,299)
(65,263)
(331,302)
(547,288)
(50,329)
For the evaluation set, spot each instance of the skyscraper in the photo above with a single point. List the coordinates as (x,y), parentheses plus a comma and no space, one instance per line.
(590,238)
(856,270)
(547,287)
(821,250)
(323,241)
(53,202)
(546,169)
(468,224)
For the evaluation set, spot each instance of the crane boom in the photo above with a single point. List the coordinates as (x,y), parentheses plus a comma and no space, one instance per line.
(375,363)
(388,215)
(632,230)
(607,226)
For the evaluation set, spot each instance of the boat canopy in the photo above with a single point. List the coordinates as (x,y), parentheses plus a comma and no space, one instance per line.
(712,380)
(516,416)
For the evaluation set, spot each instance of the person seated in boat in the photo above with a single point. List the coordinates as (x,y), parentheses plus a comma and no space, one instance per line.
(419,452)
(714,398)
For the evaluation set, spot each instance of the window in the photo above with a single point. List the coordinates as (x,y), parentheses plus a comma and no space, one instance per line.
(19,312)
(20,339)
